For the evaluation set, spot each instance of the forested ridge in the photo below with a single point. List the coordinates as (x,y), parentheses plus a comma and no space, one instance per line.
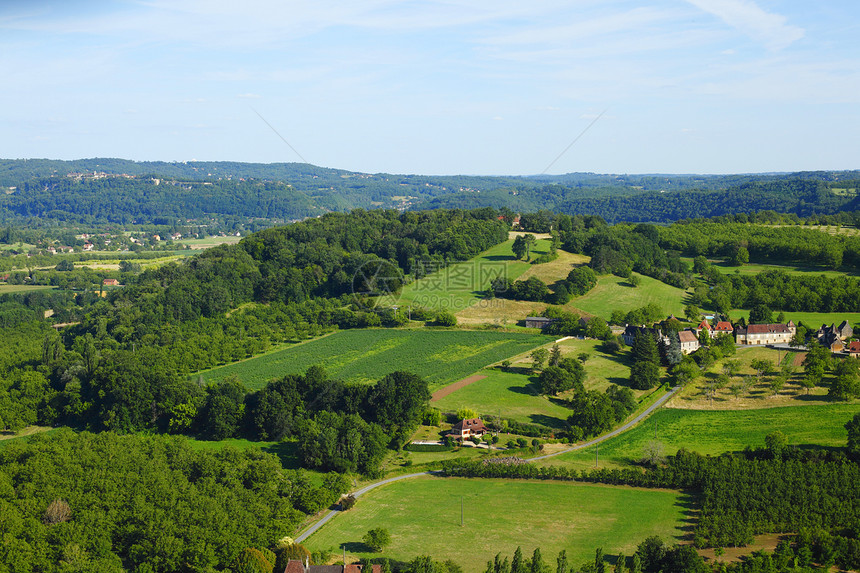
(125,366)
(104,191)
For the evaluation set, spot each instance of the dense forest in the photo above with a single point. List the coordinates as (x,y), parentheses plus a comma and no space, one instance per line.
(103,502)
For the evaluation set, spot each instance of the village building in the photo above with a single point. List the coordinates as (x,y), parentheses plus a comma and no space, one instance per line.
(854,349)
(296,566)
(704,325)
(723,327)
(689,341)
(110,282)
(538,321)
(466,428)
(630,332)
(765,333)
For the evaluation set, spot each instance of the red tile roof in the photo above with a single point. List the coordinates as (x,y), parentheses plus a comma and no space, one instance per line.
(724,326)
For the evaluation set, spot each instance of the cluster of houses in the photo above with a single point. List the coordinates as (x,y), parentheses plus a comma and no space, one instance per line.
(836,338)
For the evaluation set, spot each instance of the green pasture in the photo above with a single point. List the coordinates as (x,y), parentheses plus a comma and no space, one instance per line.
(286,450)
(516,394)
(208,242)
(809,319)
(462,285)
(440,356)
(715,432)
(509,395)
(615,293)
(13,289)
(423,516)
(756,268)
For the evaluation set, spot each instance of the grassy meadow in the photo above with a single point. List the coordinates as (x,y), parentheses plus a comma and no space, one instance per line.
(516,394)
(440,356)
(423,516)
(14,289)
(461,285)
(716,432)
(615,293)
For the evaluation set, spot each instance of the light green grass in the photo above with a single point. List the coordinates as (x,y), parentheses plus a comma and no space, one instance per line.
(286,451)
(716,432)
(809,319)
(423,517)
(462,285)
(208,242)
(615,293)
(515,394)
(510,395)
(756,268)
(440,356)
(12,289)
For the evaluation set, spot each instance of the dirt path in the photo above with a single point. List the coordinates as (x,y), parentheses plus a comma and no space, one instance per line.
(451,388)
(799,358)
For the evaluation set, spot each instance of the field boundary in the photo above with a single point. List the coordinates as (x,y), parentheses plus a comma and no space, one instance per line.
(451,388)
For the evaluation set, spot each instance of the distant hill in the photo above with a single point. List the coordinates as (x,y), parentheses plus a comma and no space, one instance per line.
(104,190)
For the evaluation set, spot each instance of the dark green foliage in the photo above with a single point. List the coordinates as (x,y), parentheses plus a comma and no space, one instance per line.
(445,318)
(377,539)
(595,412)
(852,426)
(761,314)
(581,280)
(141,503)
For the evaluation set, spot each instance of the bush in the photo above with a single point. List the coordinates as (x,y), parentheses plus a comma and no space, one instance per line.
(347,502)
(445,318)
(428,448)
(377,539)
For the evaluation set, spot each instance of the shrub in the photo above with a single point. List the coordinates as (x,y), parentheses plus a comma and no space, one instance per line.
(377,539)
(347,502)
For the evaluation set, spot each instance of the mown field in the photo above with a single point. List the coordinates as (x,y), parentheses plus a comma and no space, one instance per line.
(423,517)
(615,293)
(812,320)
(12,289)
(756,268)
(716,432)
(460,286)
(440,356)
(516,394)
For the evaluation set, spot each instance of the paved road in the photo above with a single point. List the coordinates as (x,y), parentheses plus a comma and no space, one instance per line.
(648,411)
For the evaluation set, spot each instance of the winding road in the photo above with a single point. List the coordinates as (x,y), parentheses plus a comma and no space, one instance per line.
(648,411)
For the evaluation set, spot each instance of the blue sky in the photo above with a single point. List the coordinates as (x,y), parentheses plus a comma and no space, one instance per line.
(437,87)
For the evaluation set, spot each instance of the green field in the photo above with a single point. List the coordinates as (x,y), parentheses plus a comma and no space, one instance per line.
(12,289)
(809,319)
(716,432)
(440,356)
(515,394)
(510,395)
(423,517)
(461,285)
(615,293)
(756,268)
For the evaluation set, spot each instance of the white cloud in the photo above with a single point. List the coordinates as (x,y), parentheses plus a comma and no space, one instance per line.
(770,29)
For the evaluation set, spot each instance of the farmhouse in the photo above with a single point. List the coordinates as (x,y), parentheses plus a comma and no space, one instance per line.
(723,327)
(704,325)
(689,341)
(765,333)
(467,428)
(538,321)
(296,566)
(630,332)
(110,282)
(854,349)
